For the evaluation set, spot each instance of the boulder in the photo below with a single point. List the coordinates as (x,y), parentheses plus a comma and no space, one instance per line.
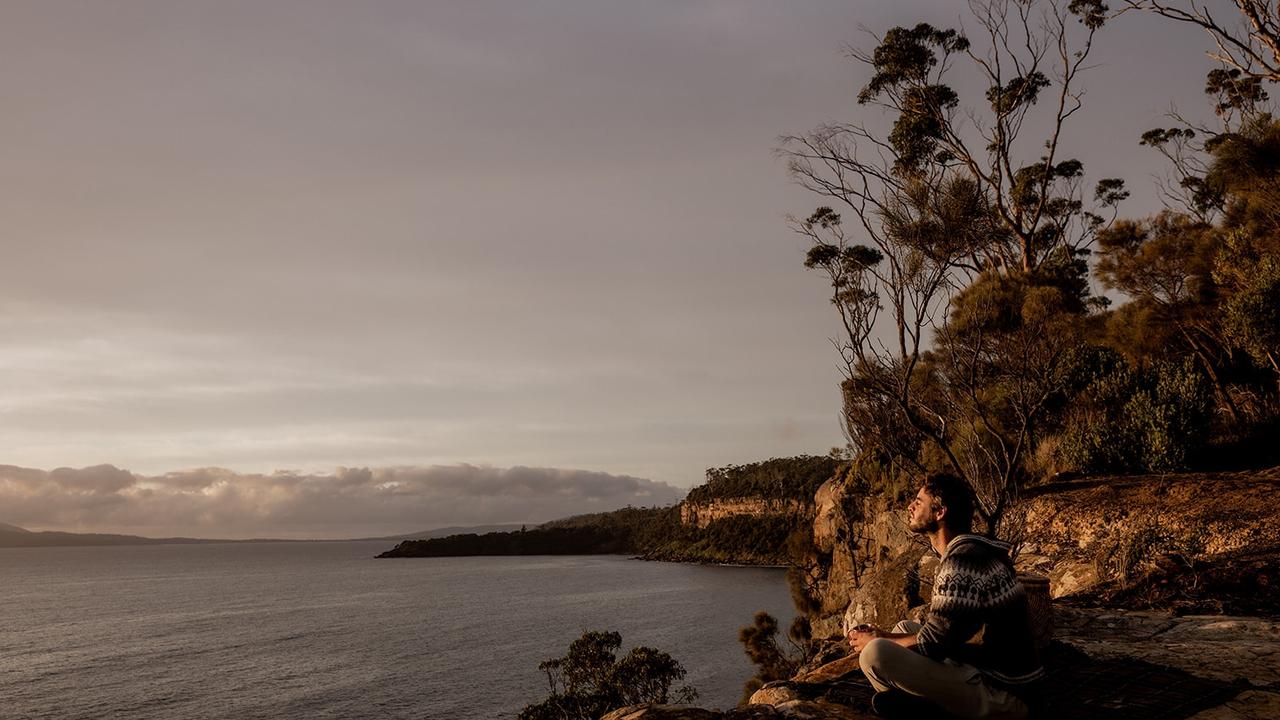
(753,712)
(831,671)
(774,693)
(1069,577)
(887,592)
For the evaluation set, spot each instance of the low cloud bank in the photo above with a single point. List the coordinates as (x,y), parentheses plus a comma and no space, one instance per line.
(351,502)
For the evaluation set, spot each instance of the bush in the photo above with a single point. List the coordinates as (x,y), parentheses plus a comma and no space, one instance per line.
(760,641)
(1119,419)
(589,680)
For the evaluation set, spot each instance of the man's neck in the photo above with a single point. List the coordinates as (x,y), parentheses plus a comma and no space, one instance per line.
(940,538)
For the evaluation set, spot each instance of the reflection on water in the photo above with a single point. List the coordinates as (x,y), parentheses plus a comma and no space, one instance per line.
(321,630)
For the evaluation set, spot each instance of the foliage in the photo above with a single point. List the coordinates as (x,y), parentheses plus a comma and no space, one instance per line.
(623,531)
(772,661)
(1123,419)
(1253,313)
(590,680)
(960,268)
(1203,279)
(793,478)
(733,539)
(960,277)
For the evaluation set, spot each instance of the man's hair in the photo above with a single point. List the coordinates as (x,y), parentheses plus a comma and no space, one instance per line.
(956,496)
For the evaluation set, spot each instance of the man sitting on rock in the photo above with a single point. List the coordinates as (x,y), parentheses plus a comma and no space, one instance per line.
(926,671)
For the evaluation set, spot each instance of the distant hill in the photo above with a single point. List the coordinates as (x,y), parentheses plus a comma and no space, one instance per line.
(14,536)
(18,537)
(452,530)
(626,531)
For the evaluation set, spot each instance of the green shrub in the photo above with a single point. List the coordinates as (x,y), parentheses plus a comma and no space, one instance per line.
(1119,419)
(773,662)
(589,680)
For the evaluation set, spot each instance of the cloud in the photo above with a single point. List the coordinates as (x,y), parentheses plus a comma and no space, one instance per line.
(350,502)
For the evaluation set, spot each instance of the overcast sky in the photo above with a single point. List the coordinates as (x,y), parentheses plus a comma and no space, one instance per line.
(301,235)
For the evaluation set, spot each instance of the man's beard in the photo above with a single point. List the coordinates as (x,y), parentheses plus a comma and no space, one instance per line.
(924,528)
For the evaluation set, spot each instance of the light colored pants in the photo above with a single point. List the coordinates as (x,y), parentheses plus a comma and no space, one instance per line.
(955,687)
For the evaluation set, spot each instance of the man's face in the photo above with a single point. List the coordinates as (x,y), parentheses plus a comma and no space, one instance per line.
(921,515)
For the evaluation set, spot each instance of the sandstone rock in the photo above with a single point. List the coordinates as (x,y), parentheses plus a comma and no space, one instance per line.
(650,711)
(823,652)
(1226,649)
(1031,562)
(1073,532)
(887,592)
(831,626)
(833,670)
(853,534)
(817,710)
(828,516)
(774,693)
(1194,513)
(701,514)
(753,712)
(1072,576)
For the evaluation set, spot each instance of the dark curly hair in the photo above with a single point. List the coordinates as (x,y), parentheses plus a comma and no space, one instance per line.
(956,496)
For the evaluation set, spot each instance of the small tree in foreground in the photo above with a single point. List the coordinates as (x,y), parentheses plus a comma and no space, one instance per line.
(772,661)
(589,680)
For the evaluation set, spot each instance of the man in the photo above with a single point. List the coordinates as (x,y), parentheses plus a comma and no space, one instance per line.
(927,671)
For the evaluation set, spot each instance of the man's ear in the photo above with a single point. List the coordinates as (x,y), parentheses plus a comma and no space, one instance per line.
(940,512)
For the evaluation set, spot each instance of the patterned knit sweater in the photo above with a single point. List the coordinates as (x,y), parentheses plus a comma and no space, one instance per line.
(976,590)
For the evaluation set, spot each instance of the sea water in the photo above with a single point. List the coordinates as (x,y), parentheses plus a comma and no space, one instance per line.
(323,630)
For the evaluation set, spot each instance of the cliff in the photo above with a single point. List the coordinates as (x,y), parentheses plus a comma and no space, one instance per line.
(1163,590)
(1108,540)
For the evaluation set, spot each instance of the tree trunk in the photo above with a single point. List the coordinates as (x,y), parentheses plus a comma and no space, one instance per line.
(1219,386)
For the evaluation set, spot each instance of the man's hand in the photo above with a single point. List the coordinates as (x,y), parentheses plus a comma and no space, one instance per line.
(863,634)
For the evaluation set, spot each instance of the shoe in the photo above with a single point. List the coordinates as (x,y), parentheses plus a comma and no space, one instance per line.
(900,705)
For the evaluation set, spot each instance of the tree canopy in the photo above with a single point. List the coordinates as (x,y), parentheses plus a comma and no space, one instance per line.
(963,268)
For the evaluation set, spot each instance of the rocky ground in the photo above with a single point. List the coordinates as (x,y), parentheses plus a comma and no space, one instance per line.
(1104,664)
(1192,558)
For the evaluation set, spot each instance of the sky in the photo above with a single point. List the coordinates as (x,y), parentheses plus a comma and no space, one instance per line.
(480,245)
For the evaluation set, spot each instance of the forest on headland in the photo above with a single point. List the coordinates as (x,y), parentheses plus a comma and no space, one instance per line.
(658,533)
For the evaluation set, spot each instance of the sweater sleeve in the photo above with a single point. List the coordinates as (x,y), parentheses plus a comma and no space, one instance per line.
(954,617)
(946,631)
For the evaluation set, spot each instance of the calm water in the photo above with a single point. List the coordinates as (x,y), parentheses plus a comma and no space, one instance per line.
(321,630)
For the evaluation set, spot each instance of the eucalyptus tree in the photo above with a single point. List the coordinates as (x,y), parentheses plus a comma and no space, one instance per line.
(1203,276)
(1245,33)
(964,244)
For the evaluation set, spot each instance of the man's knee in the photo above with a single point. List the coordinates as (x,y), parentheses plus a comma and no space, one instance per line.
(875,655)
(907,626)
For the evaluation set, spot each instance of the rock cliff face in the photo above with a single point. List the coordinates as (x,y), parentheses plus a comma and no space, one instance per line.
(868,565)
(1082,534)
(1086,535)
(701,514)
